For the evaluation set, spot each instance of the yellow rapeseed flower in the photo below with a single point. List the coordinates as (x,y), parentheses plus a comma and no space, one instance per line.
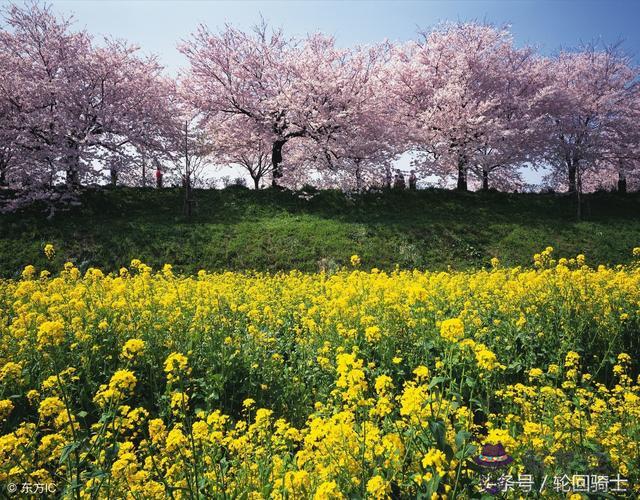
(378,488)
(49,251)
(452,329)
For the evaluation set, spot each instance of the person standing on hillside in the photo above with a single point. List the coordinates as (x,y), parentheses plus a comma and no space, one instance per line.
(398,181)
(413,180)
(158,177)
(387,178)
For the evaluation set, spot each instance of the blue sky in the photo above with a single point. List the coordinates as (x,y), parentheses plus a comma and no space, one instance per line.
(158,25)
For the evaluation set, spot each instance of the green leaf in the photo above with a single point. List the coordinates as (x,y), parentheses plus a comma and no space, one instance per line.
(435,381)
(465,452)
(438,432)
(515,365)
(461,437)
(67,450)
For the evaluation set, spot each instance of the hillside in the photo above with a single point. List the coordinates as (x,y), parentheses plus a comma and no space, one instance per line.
(272,230)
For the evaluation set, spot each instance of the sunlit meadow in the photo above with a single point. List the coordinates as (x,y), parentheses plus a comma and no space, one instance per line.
(358,383)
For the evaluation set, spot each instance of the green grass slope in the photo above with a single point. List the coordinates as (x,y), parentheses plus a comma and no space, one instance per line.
(272,230)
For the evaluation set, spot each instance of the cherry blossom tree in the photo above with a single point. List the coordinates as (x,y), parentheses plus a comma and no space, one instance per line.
(237,141)
(463,99)
(190,150)
(593,121)
(466,91)
(360,143)
(517,133)
(288,89)
(246,74)
(36,48)
(8,137)
(622,153)
(73,101)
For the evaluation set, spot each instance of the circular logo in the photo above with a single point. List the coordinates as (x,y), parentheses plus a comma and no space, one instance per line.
(12,487)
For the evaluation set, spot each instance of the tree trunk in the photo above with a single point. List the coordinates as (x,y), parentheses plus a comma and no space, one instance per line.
(73,165)
(188,202)
(3,175)
(73,180)
(622,182)
(114,177)
(276,161)
(387,177)
(572,177)
(52,173)
(256,181)
(462,175)
(358,176)
(144,172)
(485,180)
(578,191)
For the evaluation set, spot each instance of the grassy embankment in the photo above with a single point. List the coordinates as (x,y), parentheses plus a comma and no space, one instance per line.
(270,230)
